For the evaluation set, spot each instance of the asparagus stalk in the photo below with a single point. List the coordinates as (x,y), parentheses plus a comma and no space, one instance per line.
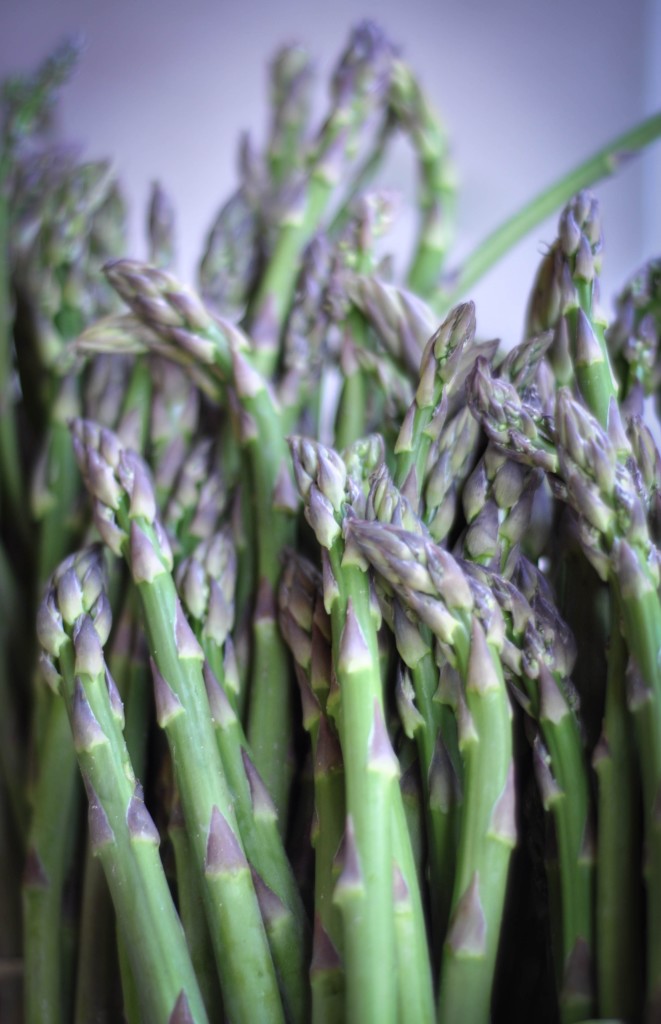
(440,375)
(434,587)
(360,88)
(436,179)
(375,811)
(206,584)
(305,626)
(124,510)
(425,719)
(74,622)
(602,164)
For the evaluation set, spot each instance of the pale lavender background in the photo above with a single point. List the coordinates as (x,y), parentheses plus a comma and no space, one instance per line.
(526,88)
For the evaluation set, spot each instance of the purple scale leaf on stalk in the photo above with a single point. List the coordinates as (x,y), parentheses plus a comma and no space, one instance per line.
(100,477)
(140,822)
(181,1013)
(354,653)
(185,640)
(224,854)
(331,477)
(602,751)
(549,789)
(442,780)
(139,486)
(467,933)
(88,650)
(231,667)
(569,232)
(168,705)
(35,875)
(262,803)
(410,644)
(577,982)
(50,628)
(193,586)
(328,754)
(285,495)
(247,381)
(406,436)
(351,879)
(352,555)
(49,673)
(271,906)
(101,615)
(586,265)
(298,640)
(69,596)
(503,818)
(466,731)
(588,350)
(116,705)
(325,957)
(381,757)
(400,890)
(111,534)
(482,676)
(146,565)
(222,712)
(552,705)
(220,615)
(320,515)
(310,706)
(265,602)
(100,829)
(409,715)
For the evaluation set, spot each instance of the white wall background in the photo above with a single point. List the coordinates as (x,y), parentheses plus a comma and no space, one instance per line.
(526,88)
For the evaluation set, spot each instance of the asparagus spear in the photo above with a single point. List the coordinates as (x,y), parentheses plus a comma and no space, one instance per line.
(602,164)
(306,628)
(205,581)
(360,87)
(434,587)
(375,813)
(124,512)
(74,622)
(436,179)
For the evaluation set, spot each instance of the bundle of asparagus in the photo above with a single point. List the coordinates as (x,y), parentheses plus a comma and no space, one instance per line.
(348,619)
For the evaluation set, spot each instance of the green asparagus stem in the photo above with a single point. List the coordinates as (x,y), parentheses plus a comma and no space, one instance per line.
(190,902)
(619,956)
(51,846)
(74,622)
(364,888)
(436,180)
(431,725)
(206,583)
(359,89)
(440,372)
(124,508)
(434,587)
(305,626)
(602,164)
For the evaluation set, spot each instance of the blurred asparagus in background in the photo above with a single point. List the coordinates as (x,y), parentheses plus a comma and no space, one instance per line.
(347,617)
